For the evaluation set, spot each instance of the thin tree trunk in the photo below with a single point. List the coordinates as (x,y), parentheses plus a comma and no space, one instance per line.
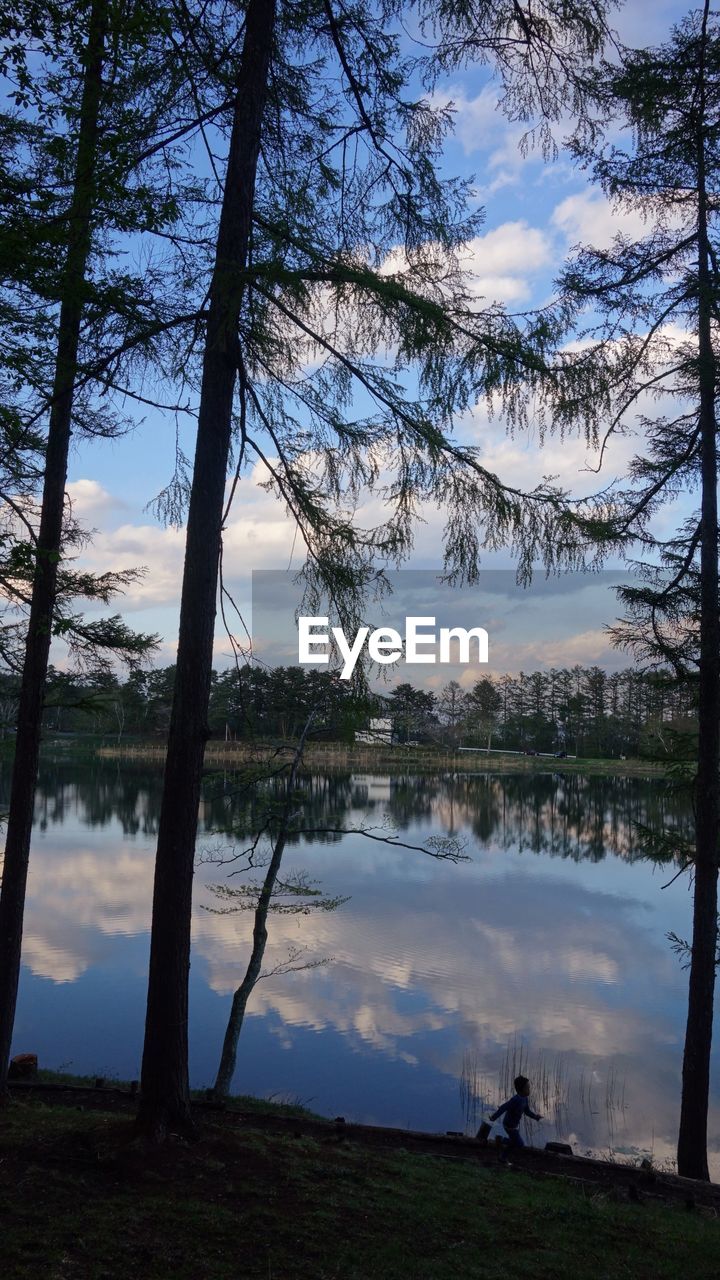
(228,1057)
(37,645)
(692,1138)
(165,1097)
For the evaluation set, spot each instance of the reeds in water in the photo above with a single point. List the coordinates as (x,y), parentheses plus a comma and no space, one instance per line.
(568,1094)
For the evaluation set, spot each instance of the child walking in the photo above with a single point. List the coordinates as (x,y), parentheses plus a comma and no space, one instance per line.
(511,1113)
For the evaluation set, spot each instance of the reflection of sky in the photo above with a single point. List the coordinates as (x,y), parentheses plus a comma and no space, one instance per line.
(431,963)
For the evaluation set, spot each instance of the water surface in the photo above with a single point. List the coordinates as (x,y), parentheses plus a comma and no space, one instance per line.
(546,951)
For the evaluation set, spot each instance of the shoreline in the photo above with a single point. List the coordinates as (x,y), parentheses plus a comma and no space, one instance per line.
(398,758)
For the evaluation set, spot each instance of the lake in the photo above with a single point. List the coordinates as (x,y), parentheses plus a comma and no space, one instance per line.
(546,952)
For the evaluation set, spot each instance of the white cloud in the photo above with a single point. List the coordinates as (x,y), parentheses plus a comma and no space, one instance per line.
(479,124)
(90,499)
(499,264)
(159,551)
(521,460)
(509,148)
(481,127)
(589,648)
(46,960)
(258,534)
(501,261)
(588,218)
(358,995)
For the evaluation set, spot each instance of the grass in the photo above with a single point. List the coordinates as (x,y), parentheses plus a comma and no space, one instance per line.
(235,1102)
(390,759)
(82,1199)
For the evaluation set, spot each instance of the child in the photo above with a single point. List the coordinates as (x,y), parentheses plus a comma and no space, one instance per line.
(512,1113)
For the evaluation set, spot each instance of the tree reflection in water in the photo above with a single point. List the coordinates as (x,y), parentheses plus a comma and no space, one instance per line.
(568,816)
(429,959)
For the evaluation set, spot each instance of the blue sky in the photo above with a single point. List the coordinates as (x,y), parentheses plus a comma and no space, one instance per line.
(535,211)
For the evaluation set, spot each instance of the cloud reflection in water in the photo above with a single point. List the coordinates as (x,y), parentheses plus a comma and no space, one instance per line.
(554,936)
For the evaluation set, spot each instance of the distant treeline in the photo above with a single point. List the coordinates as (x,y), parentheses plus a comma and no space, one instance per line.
(580,710)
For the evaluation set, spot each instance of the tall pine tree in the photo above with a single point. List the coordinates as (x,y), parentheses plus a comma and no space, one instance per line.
(337,239)
(655,303)
(92,85)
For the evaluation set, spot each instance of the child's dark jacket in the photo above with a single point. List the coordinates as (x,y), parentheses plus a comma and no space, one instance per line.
(513,1111)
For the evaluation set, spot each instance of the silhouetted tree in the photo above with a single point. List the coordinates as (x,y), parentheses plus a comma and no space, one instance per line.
(658,298)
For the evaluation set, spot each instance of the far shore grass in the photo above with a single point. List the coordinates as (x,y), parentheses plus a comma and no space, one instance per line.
(344,755)
(384,759)
(82,1198)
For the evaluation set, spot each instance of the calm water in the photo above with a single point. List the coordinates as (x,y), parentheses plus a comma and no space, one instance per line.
(549,946)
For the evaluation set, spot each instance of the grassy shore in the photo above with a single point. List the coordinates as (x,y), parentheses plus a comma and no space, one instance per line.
(383,759)
(82,1198)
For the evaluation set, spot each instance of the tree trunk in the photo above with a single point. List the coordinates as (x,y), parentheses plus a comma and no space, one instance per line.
(228,1057)
(226,1070)
(165,1097)
(692,1137)
(37,645)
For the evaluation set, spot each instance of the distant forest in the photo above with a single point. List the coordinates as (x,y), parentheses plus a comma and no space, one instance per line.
(580,710)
